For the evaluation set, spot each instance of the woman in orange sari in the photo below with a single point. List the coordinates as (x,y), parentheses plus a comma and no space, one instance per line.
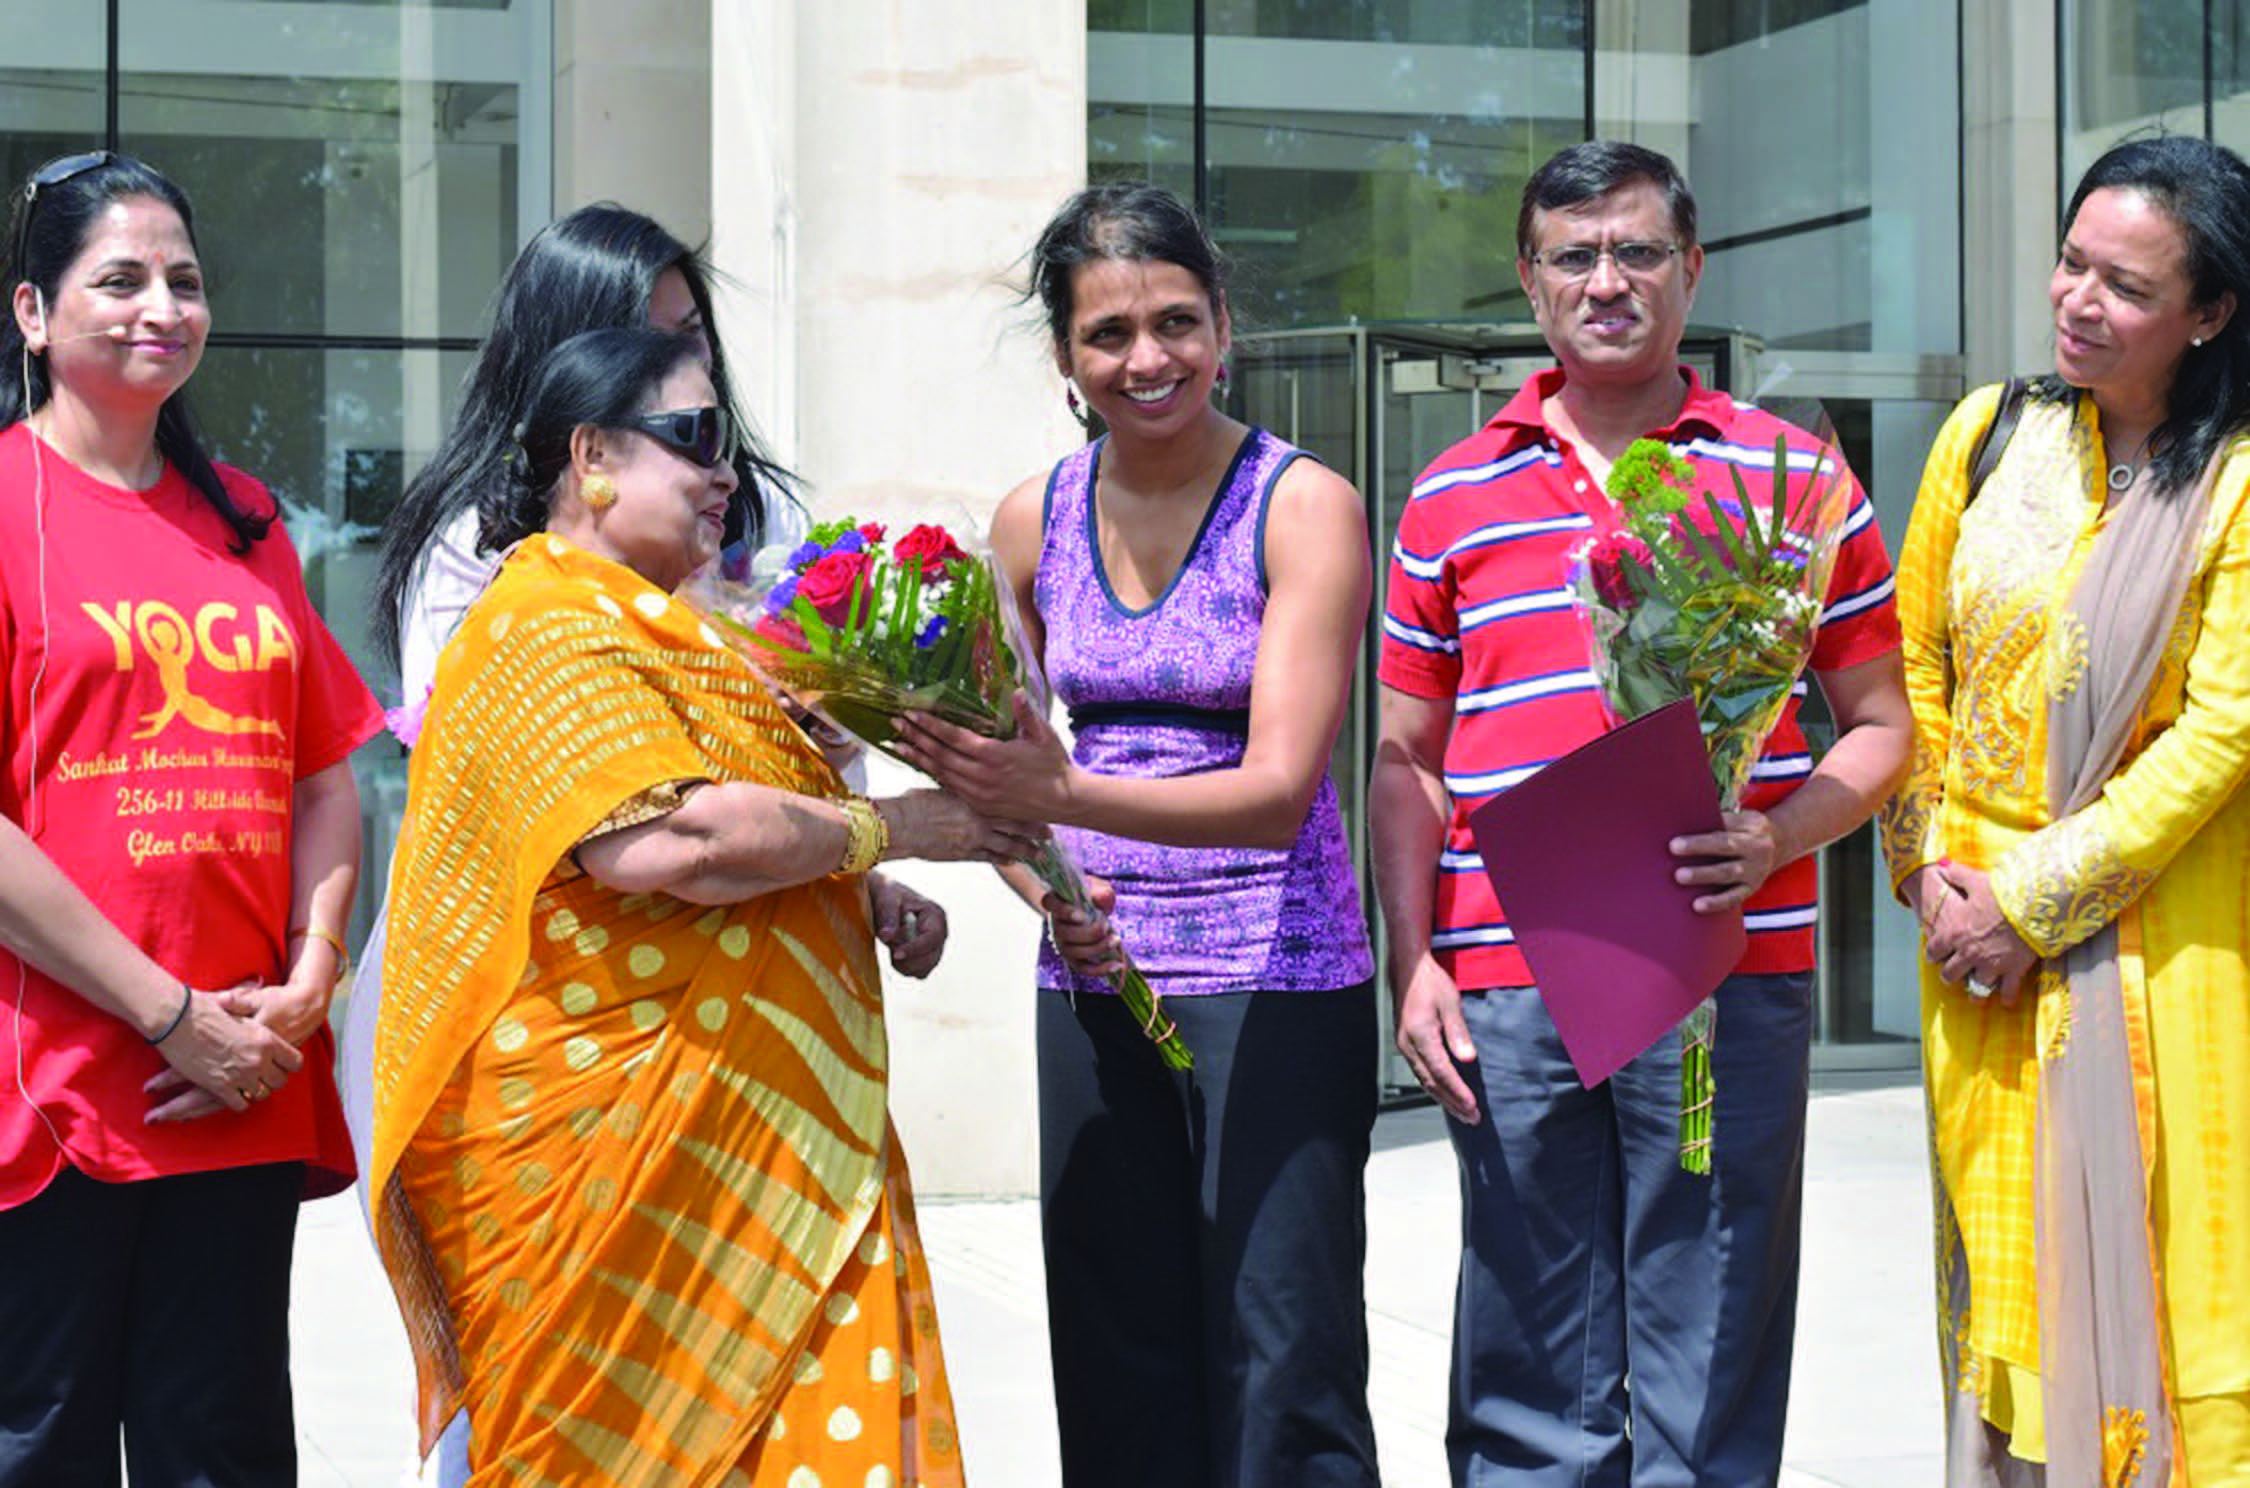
(636,1185)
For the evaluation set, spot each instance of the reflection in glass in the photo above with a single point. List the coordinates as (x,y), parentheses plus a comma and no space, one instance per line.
(326,429)
(2132,61)
(2133,65)
(51,90)
(1364,155)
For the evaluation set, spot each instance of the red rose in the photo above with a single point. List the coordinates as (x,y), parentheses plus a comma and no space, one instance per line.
(831,582)
(872,531)
(781,631)
(933,547)
(1611,562)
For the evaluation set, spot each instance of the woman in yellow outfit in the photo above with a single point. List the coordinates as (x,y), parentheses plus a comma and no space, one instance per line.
(637,1189)
(2074,840)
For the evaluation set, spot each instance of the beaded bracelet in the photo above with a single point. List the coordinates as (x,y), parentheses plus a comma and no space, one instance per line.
(187,996)
(870,835)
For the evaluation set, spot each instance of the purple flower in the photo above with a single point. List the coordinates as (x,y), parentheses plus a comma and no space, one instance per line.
(852,541)
(930,633)
(805,553)
(405,720)
(782,595)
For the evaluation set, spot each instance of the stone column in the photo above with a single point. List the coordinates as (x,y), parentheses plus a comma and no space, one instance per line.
(878,169)
(2009,192)
(633,109)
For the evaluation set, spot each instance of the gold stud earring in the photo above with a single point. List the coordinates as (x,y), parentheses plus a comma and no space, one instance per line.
(599,491)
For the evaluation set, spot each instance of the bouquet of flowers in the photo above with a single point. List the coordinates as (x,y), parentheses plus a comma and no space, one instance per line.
(1714,596)
(866,628)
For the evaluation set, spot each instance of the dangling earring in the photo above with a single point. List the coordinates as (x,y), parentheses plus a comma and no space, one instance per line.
(1221,380)
(1070,396)
(599,492)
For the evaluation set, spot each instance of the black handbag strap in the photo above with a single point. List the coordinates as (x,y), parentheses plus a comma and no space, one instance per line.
(1991,444)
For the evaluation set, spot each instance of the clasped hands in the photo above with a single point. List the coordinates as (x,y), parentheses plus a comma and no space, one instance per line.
(234,1048)
(1964,933)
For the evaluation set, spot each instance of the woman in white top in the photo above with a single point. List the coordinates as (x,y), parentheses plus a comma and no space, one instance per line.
(601,266)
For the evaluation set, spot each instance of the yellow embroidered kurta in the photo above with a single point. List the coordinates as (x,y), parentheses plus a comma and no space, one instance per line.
(1983,600)
(637,1187)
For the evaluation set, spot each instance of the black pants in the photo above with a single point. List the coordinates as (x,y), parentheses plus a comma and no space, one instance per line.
(159,1308)
(1206,1238)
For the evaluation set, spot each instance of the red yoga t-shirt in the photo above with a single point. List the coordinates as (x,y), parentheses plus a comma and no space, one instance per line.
(163,695)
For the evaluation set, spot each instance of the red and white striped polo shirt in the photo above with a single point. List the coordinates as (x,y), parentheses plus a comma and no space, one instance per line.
(1477,610)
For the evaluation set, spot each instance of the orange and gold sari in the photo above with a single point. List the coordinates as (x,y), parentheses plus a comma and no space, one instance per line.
(636,1185)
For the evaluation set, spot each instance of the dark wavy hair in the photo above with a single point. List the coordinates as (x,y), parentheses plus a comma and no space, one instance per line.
(45,237)
(1595,168)
(2205,190)
(594,269)
(599,378)
(1131,220)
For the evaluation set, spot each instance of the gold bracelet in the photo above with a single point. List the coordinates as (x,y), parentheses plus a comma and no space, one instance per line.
(343,957)
(328,935)
(870,835)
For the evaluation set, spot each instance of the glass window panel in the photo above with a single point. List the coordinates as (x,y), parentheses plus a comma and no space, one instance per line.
(2230,52)
(1126,142)
(1424,22)
(50,85)
(1333,217)
(354,177)
(2131,65)
(1714,25)
(2131,62)
(332,432)
(1176,16)
(1364,155)
(1822,139)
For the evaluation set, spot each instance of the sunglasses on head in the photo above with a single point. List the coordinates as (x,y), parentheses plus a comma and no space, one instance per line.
(56,171)
(702,435)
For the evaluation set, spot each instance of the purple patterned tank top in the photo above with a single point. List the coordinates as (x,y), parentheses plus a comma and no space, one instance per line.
(1166,691)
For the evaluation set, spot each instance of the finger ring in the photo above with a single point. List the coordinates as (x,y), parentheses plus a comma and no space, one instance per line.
(1979,988)
(909,923)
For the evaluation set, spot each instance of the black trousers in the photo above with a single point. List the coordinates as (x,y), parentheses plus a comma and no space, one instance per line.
(1206,1239)
(158,1308)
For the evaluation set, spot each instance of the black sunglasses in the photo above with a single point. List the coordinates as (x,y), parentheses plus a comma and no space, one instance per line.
(56,171)
(703,435)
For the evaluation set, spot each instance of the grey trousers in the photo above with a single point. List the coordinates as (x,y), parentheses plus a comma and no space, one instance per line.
(1618,1321)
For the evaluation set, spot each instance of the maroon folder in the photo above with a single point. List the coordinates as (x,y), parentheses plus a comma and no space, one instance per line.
(1580,854)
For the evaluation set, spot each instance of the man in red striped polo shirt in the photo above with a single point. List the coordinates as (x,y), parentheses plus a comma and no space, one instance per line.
(1618,1321)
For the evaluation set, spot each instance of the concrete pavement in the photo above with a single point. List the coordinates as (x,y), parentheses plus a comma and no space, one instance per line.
(1863,1411)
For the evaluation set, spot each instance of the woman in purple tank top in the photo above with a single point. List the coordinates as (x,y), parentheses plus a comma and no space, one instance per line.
(1197,592)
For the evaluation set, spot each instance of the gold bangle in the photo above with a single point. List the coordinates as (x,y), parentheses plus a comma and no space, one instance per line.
(330,936)
(870,835)
(343,957)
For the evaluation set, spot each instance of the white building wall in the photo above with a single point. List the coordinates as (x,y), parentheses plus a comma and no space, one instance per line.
(878,167)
